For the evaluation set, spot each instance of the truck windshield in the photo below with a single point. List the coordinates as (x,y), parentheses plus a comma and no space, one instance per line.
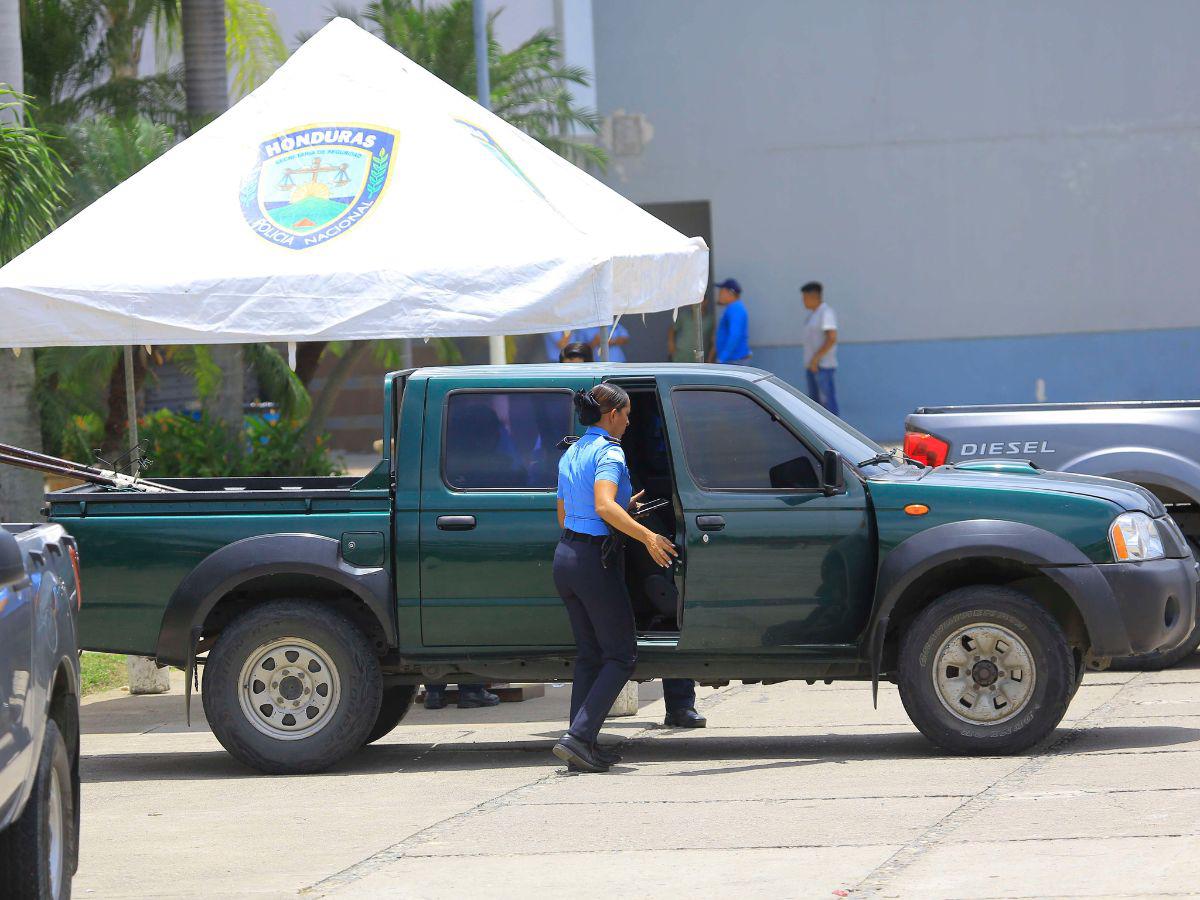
(853,445)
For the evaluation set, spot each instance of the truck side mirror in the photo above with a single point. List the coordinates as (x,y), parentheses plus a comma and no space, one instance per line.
(12,566)
(833,479)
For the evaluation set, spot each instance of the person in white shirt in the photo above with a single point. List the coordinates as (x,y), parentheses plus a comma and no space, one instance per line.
(820,346)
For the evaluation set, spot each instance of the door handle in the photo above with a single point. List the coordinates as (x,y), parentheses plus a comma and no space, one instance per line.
(455,523)
(710,523)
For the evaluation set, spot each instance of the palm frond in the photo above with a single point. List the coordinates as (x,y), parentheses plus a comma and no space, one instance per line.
(196,361)
(253,47)
(278,381)
(105,151)
(32,176)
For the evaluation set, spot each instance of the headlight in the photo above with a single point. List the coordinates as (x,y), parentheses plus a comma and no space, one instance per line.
(1134,536)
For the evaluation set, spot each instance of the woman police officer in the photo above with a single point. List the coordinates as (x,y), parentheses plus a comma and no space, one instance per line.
(594,493)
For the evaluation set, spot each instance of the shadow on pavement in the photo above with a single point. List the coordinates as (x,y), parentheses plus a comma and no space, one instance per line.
(781,750)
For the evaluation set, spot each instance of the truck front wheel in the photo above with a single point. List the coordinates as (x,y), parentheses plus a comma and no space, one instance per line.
(291,686)
(985,670)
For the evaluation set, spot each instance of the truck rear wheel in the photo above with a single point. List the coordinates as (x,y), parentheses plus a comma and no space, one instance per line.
(397,701)
(291,686)
(985,670)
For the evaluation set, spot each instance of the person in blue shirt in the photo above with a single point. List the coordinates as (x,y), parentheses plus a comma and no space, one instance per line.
(618,337)
(594,496)
(733,332)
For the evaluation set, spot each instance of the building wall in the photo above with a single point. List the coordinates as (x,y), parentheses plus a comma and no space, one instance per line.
(993,194)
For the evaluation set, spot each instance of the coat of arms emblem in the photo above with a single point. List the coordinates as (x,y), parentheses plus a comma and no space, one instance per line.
(315,183)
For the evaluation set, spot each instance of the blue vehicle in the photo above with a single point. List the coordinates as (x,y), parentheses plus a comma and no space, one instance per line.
(39,711)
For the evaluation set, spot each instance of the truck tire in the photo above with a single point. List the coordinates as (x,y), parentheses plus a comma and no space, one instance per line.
(36,850)
(985,670)
(397,701)
(291,687)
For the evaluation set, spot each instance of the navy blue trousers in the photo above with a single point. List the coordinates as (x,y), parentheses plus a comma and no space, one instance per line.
(601,617)
(679,694)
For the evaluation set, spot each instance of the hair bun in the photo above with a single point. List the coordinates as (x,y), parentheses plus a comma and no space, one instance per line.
(588,407)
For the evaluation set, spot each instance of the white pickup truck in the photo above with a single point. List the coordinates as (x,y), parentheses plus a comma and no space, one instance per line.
(1154,444)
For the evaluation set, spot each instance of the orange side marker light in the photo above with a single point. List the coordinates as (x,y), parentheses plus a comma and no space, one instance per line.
(916,509)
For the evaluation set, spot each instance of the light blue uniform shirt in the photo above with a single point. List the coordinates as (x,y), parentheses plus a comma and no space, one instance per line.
(594,457)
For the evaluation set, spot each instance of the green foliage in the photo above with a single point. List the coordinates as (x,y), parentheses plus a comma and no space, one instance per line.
(196,361)
(72,393)
(101,672)
(253,47)
(181,446)
(278,382)
(31,177)
(108,150)
(281,448)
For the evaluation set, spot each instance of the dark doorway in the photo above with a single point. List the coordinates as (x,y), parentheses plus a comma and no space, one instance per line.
(648,334)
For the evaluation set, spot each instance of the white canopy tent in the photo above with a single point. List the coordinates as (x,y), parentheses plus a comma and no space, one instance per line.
(352,196)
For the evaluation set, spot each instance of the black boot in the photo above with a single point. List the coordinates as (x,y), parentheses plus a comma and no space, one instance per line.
(605,755)
(575,753)
(475,698)
(435,699)
(685,718)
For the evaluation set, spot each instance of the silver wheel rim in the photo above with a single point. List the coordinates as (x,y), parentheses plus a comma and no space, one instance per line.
(984,674)
(56,834)
(289,689)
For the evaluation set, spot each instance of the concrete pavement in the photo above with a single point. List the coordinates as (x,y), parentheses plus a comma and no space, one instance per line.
(792,791)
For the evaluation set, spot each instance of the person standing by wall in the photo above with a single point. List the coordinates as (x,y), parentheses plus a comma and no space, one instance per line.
(820,346)
(733,332)
(618,337)
(683,336)
(557,340)
(577,352)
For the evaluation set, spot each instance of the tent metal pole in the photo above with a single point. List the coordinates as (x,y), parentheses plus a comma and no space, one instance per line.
(130,397)
(698,312)
(483,95)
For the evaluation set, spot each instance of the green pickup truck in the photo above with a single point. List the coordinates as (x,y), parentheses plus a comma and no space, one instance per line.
(316,606)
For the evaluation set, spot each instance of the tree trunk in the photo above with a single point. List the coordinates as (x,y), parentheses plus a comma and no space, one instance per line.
(206,79)
(308,358)
(324,401)
(206,82)
(12,68)
(115,440)
(20,490)
(227,401)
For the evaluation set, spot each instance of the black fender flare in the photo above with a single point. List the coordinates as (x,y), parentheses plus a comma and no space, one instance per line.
(270,554)
(1058,559)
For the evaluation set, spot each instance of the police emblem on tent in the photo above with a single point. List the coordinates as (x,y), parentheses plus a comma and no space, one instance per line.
(318,182)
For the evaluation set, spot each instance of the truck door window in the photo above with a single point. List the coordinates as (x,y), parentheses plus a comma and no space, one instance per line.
(731,442)
(504,440)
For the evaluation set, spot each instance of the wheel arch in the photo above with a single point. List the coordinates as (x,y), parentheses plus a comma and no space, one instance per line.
(266,567)
(983,551)
(1155,469)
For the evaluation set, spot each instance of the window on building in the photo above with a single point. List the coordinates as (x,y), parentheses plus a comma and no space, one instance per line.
(505,440)
(733,443)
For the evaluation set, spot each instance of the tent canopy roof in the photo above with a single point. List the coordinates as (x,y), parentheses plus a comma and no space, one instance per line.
(352,196)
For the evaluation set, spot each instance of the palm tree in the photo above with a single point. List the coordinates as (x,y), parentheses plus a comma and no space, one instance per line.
(206,80)
(18,489)
(32,176)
